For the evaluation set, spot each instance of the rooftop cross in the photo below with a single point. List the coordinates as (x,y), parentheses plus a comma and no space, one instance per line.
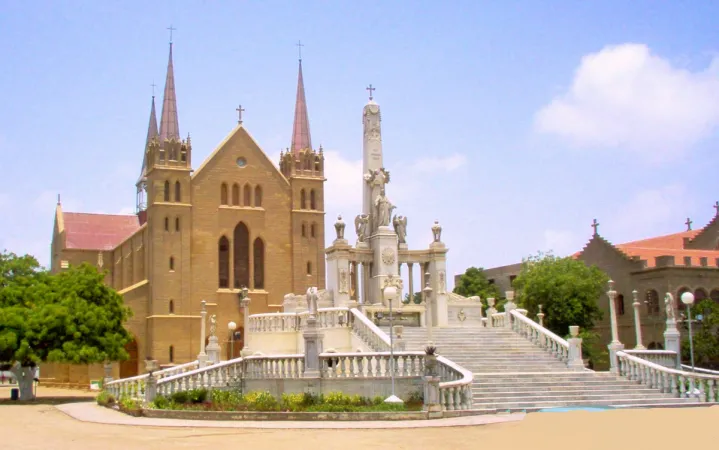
(371,89)
(239,110)
(299,45)
(595,225)
(716,206)
(171,30)
(688,223)
(153,88)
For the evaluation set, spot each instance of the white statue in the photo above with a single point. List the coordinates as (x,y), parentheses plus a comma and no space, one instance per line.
(437,231)
(361,222)
(340,228)
(384,209)
(400,227)
(213,324)
(669,306)
(312,301)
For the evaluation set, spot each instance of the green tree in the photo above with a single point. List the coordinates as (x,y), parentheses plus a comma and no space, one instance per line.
(417,298)
(474,282)
(70,317)
(705,336)
(569,293)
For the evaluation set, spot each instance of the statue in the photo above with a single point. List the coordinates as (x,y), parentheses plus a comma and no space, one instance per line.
(437,231)
(340,228)
(384,209)
(213,324)
(361,222)
(400,227)
(669,306)
(312,301)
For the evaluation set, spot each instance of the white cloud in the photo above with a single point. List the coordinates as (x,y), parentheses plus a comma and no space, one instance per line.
(626,97)
(343,192)
(650,212)
(561,242)
(447,164)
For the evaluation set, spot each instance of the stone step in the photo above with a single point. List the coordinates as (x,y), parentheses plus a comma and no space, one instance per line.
(519,406)
(585,394)
(551,386)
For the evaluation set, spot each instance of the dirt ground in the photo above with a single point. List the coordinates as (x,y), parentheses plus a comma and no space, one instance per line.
(44,427)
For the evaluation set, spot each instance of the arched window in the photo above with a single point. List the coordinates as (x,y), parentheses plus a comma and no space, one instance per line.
(313,200)
(304,230)
(309,268)
(303,200)
(714,295)
(652,302)
(317,164)
(258,252)
(172,354)
(167,191)
(258,196)
(223,194)
(248,195)
(620,305)
(171,307)
(223,251)
(167,224)
(241,255)
(313,229)
(699,295)
(177,224)
(172,263)
(178,196)
(236,194)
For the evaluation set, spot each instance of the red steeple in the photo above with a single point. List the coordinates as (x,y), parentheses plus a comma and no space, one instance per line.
(301,129)
(169,125)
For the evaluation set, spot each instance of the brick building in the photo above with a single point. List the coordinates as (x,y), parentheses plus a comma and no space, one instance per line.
(202,234)
(676,263)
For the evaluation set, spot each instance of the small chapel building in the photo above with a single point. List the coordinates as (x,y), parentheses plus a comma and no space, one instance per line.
(236,220)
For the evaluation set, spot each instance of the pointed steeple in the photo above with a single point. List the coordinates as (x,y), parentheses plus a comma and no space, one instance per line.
(169,125)
(151,133)
(301,129)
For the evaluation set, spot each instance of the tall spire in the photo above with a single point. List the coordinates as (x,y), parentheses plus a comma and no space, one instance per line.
(151,133)
(169,125)
(301,129)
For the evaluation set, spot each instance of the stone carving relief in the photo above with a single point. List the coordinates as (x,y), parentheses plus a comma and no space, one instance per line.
(213,324)
(388,256)
(100,262)
(343,281)
(441,288)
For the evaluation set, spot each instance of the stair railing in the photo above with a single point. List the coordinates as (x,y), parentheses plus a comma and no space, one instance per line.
(699,370)
(705,388)
(539,336)
(370,333)
(134,387)
(456,392)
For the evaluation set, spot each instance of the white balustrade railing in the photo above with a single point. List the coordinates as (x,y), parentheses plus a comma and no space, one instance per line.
(134,387)
(274,366)
(540,336)
(700,370)
(370,333)
(371,365)
(498,319)
(705,388)
(666,358)
(456,392)
(273,322)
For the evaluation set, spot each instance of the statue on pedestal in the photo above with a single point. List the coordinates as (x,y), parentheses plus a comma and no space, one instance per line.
(669,306)
(400,227)
(437,231)
(361,222)
(312,301)
(340,228)
(213,324)
(383,209)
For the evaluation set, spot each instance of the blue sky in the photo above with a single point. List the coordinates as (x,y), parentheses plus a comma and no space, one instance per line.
(514,123)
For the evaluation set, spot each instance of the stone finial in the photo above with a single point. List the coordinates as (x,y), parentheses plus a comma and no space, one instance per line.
(509,295)
(635,296)
(490,302)
(574,330)
(204,306)
(340,228)
(437,231)
(611,292)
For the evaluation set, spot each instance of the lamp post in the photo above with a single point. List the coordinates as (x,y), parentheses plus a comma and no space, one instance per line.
(231,327)
(688,299)
(427,291)
(615,345)
(390,290)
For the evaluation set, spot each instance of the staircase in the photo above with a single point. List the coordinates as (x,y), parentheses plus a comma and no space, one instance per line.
(511,373)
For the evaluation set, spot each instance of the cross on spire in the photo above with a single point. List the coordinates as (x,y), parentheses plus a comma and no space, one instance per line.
(239,110)
(595,225)
(688,223)
(153,88)
(371,89)
(716,206)
(171,30)
(299,45)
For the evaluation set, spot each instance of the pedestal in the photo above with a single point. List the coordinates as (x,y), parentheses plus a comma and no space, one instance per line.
(384,246)
(202,360)
(213,350)
(614,347)
(431,397)
(338,272)
(575,361)
(150,388)
(672,341)
(313,347)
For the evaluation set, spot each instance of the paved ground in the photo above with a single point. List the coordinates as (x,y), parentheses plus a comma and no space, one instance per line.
(44,426)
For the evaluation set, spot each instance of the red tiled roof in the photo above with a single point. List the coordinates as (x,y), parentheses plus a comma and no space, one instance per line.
(97,231)
(667,245)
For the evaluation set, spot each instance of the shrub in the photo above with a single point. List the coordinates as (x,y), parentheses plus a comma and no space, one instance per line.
(416,397)
(261,401)
(191,396)
(130,405)
(293,402)
(104,398)
(161,402)
(227,400)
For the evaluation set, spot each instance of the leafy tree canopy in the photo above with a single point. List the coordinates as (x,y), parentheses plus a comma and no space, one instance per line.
(705,335)
(474,282)
(567,289)
(69,317)
(417,298)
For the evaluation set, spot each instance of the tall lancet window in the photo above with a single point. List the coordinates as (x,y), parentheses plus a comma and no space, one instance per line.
(223,250)
(258,252)
(241,255)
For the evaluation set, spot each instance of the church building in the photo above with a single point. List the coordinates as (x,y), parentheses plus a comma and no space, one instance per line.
(202,233)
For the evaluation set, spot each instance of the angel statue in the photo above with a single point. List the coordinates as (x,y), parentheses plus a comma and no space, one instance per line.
(400,227)
(312,301)
(361,222)
(213,324)
(384,209)
(669,306)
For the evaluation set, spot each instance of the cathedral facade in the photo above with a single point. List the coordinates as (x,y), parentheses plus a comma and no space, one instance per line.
(236,220)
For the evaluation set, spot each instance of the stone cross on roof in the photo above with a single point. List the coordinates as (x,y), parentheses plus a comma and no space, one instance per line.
(371,89)
(595,225)
(716,207)
(688,223)
(239,110)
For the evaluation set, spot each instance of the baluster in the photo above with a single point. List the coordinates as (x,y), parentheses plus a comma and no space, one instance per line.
(360,364)
(702,391)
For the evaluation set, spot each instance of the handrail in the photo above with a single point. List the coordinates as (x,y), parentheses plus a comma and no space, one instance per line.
(225,364)
(561,341)
(467,376)
(650,352)
(374,329)
(664,369)
(699,370)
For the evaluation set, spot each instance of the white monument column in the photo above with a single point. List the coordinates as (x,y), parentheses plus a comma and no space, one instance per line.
(371,154)
(438,277)
(338,267)
(202,356)
(637,321)
(615,345)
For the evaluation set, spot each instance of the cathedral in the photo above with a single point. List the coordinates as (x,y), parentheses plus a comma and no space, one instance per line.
(201,233)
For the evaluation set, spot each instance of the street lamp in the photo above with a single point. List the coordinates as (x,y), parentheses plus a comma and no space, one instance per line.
(231,327)
(427,291)
(688,299)
(390,292)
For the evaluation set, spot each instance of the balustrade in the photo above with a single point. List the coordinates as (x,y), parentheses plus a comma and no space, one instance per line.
(498,319)
(371,365)
(366,330)
(705,388)
(539,335)
(666,358)
(134,387)
(455,389)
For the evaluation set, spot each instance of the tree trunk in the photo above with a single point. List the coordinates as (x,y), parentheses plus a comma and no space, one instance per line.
(24,376)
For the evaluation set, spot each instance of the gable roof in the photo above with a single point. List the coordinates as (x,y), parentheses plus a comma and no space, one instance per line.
(84,231)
